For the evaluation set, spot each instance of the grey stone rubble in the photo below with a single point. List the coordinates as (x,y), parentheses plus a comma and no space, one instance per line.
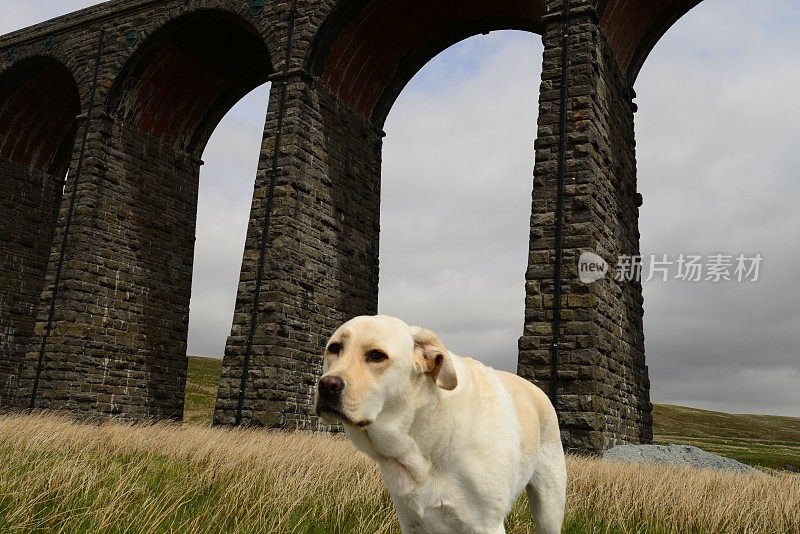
(671,454)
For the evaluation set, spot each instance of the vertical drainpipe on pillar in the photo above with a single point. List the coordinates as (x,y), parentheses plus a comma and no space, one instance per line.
(262,258)
(559,230)
(68,223)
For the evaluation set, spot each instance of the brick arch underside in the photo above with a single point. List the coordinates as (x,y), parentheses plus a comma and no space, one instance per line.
(39,102)
(633,27)
(365,55)
(188,75)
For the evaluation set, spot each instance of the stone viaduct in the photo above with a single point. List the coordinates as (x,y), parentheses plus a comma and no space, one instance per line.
(104,115)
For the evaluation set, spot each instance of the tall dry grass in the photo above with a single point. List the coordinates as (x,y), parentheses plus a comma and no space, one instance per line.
(61,476)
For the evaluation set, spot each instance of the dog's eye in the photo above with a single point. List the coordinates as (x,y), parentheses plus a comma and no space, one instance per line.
(334,348)
(377,356)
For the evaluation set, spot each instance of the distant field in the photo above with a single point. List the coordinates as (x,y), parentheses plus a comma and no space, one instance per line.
(758,440)
(202,381)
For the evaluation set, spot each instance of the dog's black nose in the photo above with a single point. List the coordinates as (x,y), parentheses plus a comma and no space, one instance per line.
(331,385)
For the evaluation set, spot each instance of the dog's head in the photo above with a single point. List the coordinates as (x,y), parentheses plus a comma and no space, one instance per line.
(377,366)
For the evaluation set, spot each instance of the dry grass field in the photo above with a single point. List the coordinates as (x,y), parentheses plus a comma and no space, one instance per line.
(758,440)
(64,477)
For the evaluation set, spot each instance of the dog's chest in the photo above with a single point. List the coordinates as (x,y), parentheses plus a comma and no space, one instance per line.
(426,512)
(433,507)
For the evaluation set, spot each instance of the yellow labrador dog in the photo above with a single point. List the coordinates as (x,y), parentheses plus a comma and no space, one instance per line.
(456,441)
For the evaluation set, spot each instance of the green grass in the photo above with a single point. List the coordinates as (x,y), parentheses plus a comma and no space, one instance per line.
(757,440)
(679,420)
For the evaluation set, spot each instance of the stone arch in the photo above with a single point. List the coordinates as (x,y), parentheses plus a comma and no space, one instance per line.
(39,106)
(185,77)
(366,55)
(162,109)
(360,59)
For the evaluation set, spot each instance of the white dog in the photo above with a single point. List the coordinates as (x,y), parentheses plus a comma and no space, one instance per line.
(456,441)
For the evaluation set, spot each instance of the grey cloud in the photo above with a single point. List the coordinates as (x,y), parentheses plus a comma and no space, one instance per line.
(223,212)
(718,171)
(17,14)
(457,181)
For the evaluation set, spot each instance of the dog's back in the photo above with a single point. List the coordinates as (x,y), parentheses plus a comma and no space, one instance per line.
(509,408)
(541,439)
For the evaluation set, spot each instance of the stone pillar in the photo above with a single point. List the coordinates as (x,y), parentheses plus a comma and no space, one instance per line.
(603,387)
(118,340)
(321,264)
(29,199)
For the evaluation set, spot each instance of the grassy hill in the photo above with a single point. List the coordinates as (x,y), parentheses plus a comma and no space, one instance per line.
(759,440)
(202,381)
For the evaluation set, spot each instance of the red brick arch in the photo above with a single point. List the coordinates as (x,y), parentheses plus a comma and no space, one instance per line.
(633,27)
(39,102)
(183,79)
(366,54)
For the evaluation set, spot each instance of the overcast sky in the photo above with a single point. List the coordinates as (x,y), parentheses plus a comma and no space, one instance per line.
(718,169)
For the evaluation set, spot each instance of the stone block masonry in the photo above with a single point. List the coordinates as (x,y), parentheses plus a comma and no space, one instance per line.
(322,259)
(169,70)
(603,388)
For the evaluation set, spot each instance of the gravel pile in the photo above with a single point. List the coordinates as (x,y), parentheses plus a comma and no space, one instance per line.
(675,455)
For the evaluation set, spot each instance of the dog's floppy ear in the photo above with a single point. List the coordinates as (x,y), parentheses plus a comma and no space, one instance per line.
(434,358)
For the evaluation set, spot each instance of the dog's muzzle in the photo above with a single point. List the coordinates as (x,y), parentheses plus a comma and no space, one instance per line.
(329,402)
(329,397)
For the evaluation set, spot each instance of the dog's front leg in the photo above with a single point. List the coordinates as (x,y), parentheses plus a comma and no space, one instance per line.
(409,523)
